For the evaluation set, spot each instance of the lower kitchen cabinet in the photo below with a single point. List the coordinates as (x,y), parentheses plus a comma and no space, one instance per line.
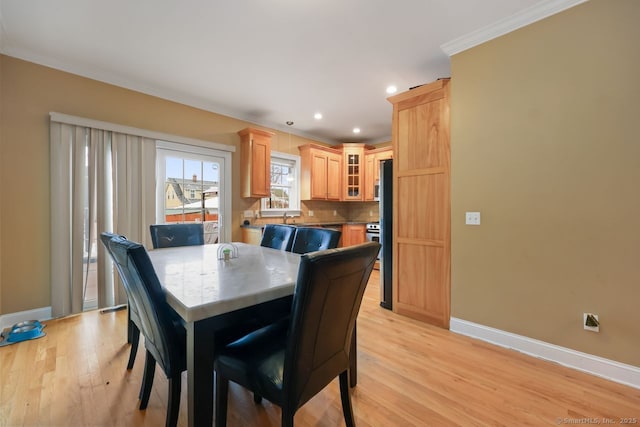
(353,234)
(251,235)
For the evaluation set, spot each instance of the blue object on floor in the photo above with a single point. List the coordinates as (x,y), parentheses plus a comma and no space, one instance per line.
(22,331)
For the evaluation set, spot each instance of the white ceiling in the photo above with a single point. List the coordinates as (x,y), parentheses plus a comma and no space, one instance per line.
(265,61)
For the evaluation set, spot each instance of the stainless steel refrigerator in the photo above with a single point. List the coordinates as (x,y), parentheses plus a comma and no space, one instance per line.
(386,229)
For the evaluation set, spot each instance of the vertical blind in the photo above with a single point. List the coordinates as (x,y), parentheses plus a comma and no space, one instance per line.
(101,180)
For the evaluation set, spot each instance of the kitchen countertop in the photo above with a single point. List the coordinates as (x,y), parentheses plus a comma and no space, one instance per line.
(310,224)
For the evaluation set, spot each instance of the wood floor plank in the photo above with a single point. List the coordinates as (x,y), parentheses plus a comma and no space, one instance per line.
(410,374)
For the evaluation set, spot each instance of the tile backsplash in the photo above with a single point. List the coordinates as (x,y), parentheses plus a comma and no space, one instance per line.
(326,212)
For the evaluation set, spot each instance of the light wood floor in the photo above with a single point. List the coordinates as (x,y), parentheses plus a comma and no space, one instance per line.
(410,374)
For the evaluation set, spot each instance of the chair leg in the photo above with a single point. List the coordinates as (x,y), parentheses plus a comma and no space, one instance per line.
(173,405)
(147,380)
(130,327)
(347,410)
(287,418)
(222,391)
(135,339)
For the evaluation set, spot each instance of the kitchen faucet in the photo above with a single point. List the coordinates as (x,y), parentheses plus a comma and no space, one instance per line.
(284,217)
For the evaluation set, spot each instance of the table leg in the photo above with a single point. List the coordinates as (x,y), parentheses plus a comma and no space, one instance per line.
(200,352)
(353,360)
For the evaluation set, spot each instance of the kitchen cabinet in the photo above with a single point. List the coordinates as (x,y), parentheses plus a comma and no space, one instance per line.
(321,172)
(422,203)
(369,165)
(353,172)
(255,162)
(251,235)
(372,169)
(353,234)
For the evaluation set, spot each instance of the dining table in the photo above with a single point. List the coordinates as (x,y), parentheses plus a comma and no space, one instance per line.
(214,286)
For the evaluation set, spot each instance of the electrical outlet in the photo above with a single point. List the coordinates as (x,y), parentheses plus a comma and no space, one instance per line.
(335,213)
(472,218)
(310,213)
(591,322)
(370,213)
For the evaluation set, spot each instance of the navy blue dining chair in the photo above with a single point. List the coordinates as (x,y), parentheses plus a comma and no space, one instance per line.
(278,236)
(170,235)
(133,318)
(163,329)
(290,361)
(311,239)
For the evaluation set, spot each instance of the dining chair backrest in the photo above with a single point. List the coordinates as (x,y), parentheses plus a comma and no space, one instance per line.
(106,238)
(134,321)
(160,324)
(278,236)
(311,239)
(327,298)
(170,235)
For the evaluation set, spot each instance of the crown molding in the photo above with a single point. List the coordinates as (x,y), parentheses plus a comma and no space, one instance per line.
(162,93)
(511,23)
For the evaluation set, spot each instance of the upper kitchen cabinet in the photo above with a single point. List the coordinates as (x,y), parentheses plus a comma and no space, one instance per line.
(422,203)
(372,159)
(321,173)
(353,172)
(255,162)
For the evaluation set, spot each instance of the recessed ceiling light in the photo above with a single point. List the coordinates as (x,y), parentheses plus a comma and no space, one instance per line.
(392,89)
(317,116)
(356,130)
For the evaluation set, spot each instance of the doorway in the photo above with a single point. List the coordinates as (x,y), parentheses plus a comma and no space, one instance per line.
(191,187)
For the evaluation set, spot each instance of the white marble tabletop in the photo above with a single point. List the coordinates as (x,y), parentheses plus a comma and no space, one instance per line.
(199,285)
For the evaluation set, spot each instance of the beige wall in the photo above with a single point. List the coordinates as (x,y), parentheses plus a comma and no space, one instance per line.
(545,144)
(1,165)
(29,92)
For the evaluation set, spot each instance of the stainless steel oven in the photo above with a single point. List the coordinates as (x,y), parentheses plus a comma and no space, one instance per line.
(373,234)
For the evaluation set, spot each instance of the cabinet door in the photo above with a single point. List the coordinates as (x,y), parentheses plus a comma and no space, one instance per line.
(253,236)
(260,166)
(421,200)
(319,166)
(255,162)
(353,234)
(353,163)
(369,175)
(333,173)
(380,156)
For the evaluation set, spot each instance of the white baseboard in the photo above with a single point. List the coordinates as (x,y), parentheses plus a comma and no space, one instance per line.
(11,319)
(601,367)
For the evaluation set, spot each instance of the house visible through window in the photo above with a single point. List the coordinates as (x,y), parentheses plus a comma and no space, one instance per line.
(284,185)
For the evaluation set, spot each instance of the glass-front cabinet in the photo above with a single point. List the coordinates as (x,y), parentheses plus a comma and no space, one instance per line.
(353,171)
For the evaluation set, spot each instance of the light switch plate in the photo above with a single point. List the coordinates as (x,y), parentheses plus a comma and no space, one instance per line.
(248,214)
(310,213)
(472,218)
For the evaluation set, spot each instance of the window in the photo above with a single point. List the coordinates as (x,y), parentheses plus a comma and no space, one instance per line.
(285,177)
(192,182)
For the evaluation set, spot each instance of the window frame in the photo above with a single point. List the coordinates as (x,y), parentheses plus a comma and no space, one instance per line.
(164,148)
(294,199)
